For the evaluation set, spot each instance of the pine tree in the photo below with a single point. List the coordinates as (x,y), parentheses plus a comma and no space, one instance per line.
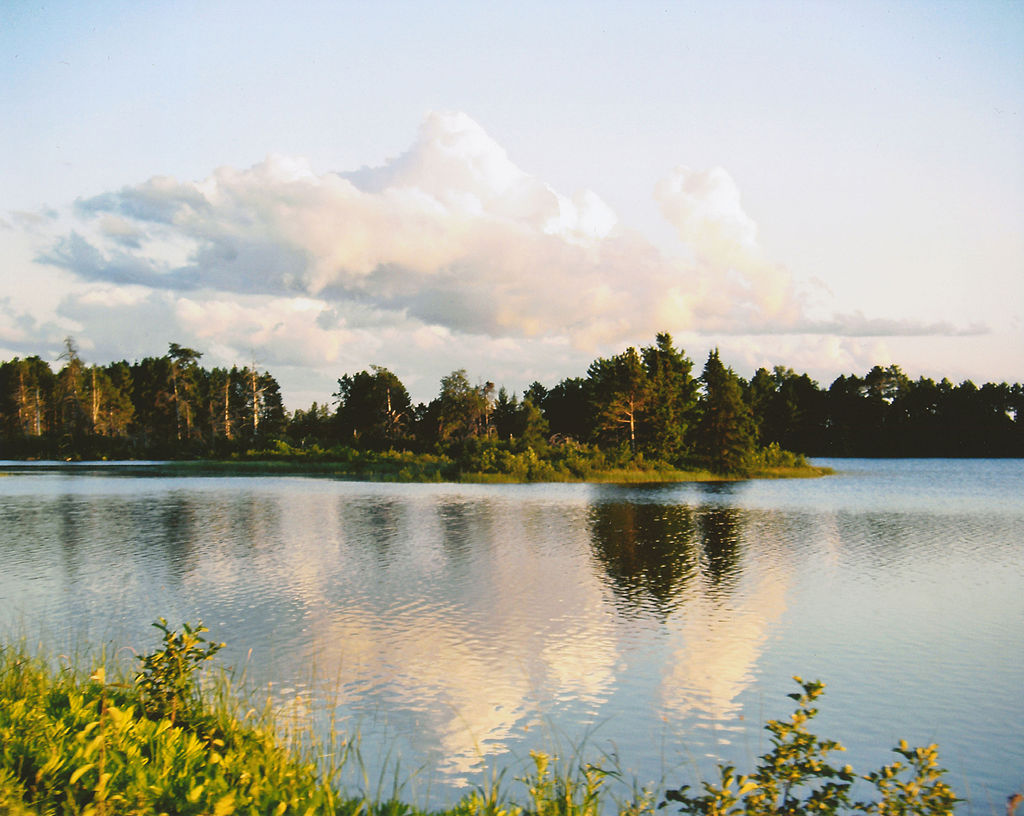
(621,391)
(725,432)
(374,409)
(671,402)
(183,387)
(71,403)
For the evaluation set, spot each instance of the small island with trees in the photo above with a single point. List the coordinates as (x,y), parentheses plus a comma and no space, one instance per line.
(640,415)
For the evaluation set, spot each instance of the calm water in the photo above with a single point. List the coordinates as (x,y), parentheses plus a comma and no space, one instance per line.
(459,626)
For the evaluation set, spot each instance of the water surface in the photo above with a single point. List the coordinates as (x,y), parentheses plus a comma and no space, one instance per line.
(459,626)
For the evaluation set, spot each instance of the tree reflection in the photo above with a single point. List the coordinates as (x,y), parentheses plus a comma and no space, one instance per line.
(465,526)
(651,552)
(720,543)
(69,512)
(721,528)
(175,523)
(647,551)
(377,520)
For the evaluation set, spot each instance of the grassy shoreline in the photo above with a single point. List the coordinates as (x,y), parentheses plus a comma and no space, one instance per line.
(101,740)
(402,468)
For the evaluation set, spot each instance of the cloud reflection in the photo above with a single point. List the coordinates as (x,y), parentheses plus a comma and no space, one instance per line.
(693,568)
(466,619)
(462,624)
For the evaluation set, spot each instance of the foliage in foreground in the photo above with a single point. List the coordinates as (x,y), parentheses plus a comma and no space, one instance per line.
(153,744)
(71,744)
(796,778)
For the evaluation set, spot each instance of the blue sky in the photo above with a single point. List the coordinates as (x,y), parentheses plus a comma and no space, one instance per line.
(515,188)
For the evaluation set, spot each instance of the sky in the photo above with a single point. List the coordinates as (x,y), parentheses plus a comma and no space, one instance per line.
(515,188)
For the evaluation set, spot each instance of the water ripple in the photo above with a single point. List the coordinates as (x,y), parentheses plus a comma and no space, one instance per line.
(461,624)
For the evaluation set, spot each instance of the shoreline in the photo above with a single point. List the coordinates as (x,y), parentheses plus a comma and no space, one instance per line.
(405,470)
(95,736)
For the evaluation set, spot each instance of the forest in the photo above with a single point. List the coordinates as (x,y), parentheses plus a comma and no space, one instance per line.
(639,406)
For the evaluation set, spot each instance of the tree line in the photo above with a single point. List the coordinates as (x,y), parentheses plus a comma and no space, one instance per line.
(651,403)
(643,404)
(163,407)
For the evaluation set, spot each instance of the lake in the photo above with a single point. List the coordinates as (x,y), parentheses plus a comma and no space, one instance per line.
(456,627)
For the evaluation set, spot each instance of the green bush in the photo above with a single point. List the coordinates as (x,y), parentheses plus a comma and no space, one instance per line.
(773,456)
(796,778)
(80,744)
(167,679)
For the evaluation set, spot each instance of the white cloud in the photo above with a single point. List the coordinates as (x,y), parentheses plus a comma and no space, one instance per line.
(446,254)
(108,295)
(16,328)
(704,206)
(450,233)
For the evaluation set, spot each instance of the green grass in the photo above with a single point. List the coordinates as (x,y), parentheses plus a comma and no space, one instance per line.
(797,472)
(105,740)
(73,742)
(433,470)
(477,461)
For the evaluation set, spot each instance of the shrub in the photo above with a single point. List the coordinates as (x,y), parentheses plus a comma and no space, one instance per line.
(167,678)
(71,744)
(796,778)
(773,456)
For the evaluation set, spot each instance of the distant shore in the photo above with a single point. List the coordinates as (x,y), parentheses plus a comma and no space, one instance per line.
(405,468)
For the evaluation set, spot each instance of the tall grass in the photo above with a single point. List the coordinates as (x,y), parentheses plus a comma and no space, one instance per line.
(89,742)
(98,739)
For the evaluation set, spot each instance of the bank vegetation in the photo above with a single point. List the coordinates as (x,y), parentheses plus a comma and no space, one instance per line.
(642,414)
(104,740)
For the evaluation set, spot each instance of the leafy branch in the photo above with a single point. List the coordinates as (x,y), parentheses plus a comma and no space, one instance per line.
(796,778)
(167,678)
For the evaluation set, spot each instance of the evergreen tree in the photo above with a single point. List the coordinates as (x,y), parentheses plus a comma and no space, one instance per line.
(536,394)
(788,410)
(260,410)
(184,388)
(109,400)
(505,416)
(847,422)
(71,409)
(568,409)
(725,432)
(374,409)
(521,421)
(272,414)
(223,405)
(620,390)
(760,396)
(169,406)
(310,427)
(671,400)
(27,389)
(886,384)
(532,428)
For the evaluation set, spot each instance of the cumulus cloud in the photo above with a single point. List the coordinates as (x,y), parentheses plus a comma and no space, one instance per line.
(451,233)
(447,240)
(704,206)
